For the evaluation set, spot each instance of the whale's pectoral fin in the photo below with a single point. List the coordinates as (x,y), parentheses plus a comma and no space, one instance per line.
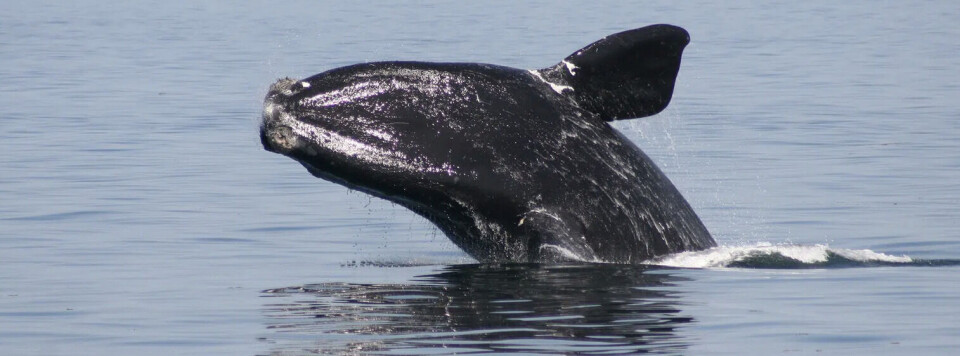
(626,75)
(552,238)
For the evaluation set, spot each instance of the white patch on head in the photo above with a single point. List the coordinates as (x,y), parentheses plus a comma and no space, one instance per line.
(305,84)
(572,68)
(556,87)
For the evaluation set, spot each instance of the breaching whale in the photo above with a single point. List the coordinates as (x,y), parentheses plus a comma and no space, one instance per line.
(512,165)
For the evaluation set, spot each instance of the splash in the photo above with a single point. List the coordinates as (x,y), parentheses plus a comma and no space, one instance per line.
(762,255)
(767,255)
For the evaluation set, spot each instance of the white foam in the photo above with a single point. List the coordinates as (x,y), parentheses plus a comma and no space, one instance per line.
(868,255)
(723,256)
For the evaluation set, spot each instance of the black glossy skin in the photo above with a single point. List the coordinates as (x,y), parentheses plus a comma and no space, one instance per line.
(510,164)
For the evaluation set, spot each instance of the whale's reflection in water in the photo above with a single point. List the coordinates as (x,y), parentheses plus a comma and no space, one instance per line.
(583,309)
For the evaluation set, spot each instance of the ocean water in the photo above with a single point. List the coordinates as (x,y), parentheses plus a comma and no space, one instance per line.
(818,141)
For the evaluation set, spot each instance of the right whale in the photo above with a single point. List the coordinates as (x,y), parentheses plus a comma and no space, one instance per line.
(512,165)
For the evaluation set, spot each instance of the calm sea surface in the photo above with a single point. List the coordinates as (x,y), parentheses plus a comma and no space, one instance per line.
(818,141)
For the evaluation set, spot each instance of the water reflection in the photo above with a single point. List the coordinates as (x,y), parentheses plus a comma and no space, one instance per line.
(583,309)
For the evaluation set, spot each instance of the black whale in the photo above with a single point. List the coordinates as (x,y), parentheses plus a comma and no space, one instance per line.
(511,164)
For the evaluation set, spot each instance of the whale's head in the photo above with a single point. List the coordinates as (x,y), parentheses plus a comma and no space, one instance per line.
(380,129)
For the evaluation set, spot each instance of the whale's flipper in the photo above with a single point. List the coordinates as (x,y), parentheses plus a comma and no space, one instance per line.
(626,75)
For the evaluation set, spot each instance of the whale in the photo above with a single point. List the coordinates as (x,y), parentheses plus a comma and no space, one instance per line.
(512,165)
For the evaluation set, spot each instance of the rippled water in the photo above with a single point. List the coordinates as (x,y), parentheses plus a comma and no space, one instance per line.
(477,308)
(140,215)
